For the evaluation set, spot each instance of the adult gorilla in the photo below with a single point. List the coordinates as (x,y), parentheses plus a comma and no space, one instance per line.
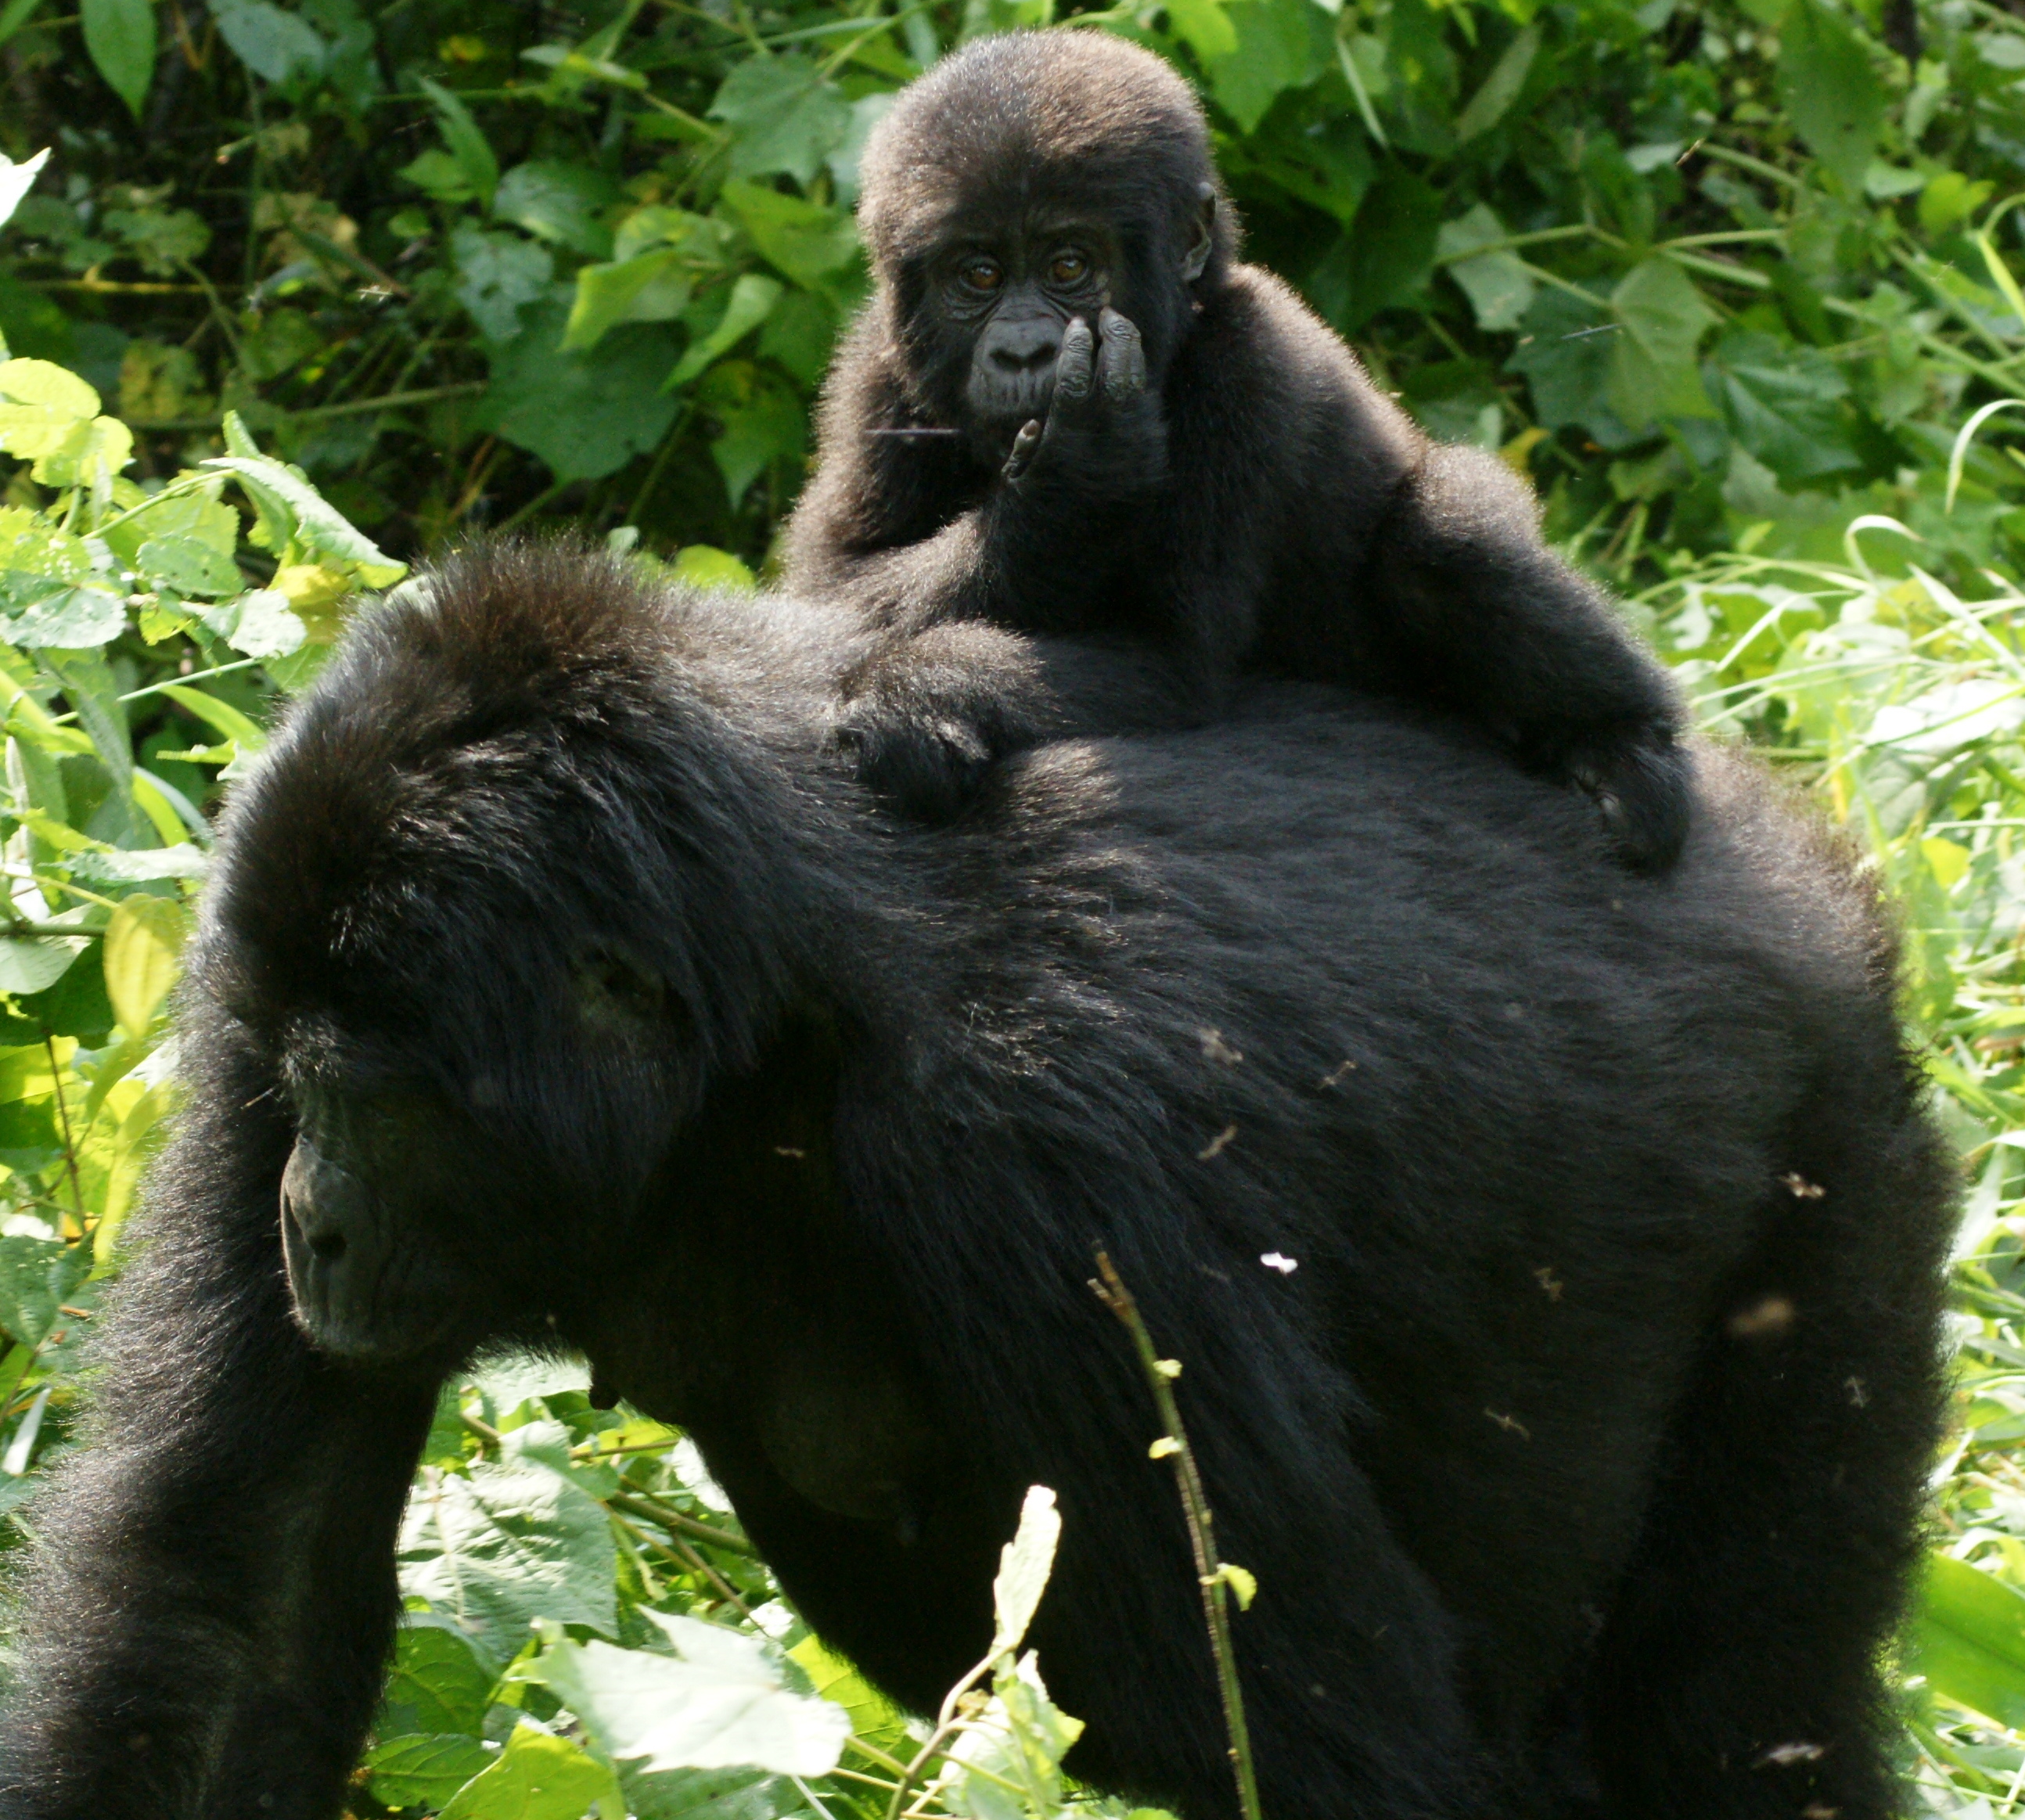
(1578,1461)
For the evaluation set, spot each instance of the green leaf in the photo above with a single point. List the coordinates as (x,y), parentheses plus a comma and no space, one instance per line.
(537,1777)
(702,566)
(1387,256)
(187,565)
(143,943)
(651,287)
(1968,1639)
(1783,403)
(872,1716)
(316,522)
(62,617)
(276,46)
(1501,88)
(260,622)
(221,716)
(422,1770)
(1500,289)
(559,202)
(119,34)
(585,412)
(437,1686)
(803,240)
(1024,1564)
(1828,87)
(719,1701)
(162,239)
(467,145)
(759,422)
(36,1275)
(1653,373)
(751,301)
(516,1540)
(498,275)
(1204,26)
(1565,354)
(1280,45)
(785,115)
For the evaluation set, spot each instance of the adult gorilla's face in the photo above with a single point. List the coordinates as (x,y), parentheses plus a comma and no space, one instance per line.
(419,1184)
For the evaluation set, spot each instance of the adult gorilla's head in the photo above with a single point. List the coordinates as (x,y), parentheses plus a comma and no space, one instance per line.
(492,911)
(1024,183)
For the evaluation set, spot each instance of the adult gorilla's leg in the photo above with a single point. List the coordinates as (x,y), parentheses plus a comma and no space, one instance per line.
(1737,1674)
(210,1596)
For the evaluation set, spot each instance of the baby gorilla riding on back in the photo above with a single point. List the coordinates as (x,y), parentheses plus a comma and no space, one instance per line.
(1069,409)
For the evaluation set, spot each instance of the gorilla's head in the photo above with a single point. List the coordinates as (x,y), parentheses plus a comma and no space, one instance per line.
(1028,180)
(492,911)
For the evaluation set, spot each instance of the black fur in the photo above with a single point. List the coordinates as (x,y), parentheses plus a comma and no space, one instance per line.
(1579,1461)
(1250,497)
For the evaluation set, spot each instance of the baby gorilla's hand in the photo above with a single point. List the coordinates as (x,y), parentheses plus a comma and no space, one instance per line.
(1641,781)
(1105,435)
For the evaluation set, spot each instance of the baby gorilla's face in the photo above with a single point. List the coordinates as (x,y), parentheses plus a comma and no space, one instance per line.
(1015,293)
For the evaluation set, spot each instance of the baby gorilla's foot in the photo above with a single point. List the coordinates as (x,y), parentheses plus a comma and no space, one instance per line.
(1640,779)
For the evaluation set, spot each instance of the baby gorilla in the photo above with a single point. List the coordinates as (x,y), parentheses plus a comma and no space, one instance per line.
(1069,409)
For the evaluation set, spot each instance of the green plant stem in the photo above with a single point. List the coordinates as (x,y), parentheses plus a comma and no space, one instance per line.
(540,502)
(652,1508)
(26,929)
(351,407)
(1111,1291)
(63,1118)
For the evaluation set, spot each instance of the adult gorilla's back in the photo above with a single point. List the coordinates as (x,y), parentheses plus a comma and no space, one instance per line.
(1577,1459)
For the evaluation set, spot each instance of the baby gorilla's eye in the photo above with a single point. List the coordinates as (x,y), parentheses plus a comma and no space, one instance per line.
(1069,268)
(982,274)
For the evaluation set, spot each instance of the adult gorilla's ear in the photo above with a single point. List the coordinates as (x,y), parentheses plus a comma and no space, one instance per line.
(1196,259)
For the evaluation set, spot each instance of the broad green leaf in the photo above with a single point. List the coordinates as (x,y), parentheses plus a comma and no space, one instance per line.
(182,860)
(1501,88)
(87,454)
(740,1794)
(33,964)
(559,202)
(69,619)
(1280,45)
(1828,87)
(872,1716)
(584,412)
(537,1777)
(275,45)
(651,287)
(1968,1639)
(1653,373)
(467,145)
(44,383)
(119,34)
(516,1540)
(803,240)
(220,716)
(437,1685)
(753,298)
(1565,354)
(17,180)
(30,545)
(261,622)
(497,274)
(186,565)
(718,1702)
(1500,289)
(143,943)
(1024,1564)
(1783,403)
(1387,256)
(36,1275)
(759,422)
(424,1770)
(194,513)
(785,115)
(1205,26)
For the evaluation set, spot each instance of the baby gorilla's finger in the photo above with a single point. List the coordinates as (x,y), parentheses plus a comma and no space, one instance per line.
(1123,364)
(1024,446)
(1075,366)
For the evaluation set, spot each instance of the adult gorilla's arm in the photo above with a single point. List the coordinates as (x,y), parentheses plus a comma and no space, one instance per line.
(210,1596)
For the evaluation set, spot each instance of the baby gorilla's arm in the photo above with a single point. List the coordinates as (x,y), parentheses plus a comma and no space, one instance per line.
(1475,608)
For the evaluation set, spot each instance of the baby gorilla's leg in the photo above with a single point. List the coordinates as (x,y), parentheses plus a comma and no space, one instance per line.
(1474,609)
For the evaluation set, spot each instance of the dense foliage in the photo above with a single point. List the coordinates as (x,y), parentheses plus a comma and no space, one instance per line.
(303,291)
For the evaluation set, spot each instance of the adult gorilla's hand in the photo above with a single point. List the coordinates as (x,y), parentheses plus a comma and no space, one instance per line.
(1105,433)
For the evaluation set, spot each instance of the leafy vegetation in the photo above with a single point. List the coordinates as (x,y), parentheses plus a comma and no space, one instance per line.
(302,291)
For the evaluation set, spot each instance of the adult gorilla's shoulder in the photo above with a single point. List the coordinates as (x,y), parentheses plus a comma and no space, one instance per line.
(557,984)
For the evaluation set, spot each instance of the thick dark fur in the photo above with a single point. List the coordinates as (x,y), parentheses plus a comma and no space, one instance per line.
(1256,501)
(1579,1462)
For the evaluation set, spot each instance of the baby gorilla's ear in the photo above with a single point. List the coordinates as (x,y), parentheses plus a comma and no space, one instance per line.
(1197,258)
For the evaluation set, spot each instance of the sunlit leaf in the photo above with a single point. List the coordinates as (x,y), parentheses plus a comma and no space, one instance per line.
(143,943)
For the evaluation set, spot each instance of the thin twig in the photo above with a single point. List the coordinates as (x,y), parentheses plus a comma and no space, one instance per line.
(656,1512)
(63,1115)
(1160,1374)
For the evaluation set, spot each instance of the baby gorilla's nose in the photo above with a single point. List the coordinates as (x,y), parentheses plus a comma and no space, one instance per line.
(1026,346)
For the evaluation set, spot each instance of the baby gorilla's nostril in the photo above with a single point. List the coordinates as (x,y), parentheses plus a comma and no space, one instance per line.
(330,1246)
